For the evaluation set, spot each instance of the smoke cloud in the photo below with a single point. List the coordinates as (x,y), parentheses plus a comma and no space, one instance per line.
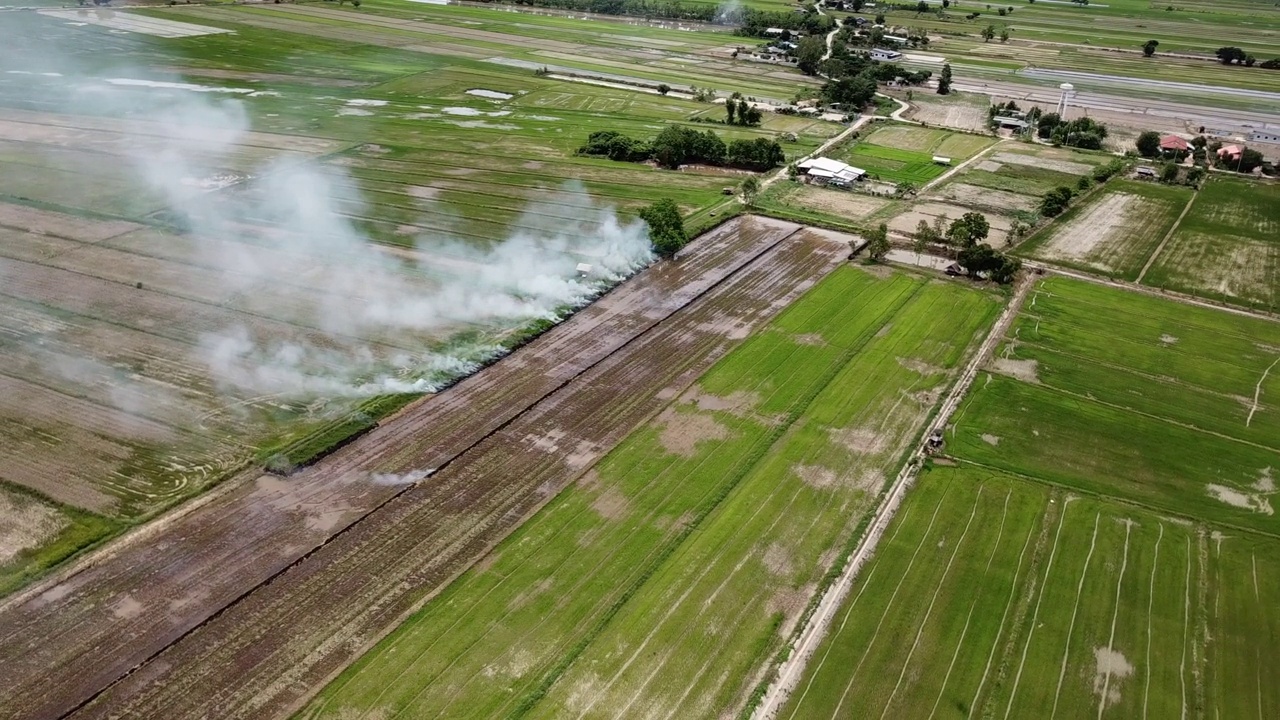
(344,316)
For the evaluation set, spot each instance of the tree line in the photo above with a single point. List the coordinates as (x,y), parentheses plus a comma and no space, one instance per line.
(677,145)
(754,23)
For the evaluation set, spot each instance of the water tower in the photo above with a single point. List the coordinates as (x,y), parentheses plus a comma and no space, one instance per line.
(1067,91)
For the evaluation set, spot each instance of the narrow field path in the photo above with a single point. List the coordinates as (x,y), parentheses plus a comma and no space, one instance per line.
(1165,240)
(1257,392)
(1151,603)
(1115,614)
(791,670)
(1075,611)
(1035,614)
(943,177)
(915,643)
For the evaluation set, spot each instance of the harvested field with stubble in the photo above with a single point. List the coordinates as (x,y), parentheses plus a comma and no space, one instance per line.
(1099,538)
(1226,247)
(359,513)
(711,547)
(1115,232)
(960,111)
(930,211)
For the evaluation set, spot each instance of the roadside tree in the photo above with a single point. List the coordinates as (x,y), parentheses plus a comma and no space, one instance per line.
(1149,144)
(878,243)
(750,190)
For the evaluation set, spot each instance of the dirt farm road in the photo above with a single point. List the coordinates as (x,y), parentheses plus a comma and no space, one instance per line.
(791,670)
(264,591)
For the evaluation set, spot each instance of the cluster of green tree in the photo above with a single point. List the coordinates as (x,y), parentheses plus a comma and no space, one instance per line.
(1148,144)
(1248,160)
(967,233)
(990,32)
(1170,172)
(1108,170)
(1234,55)
(754,22)
(664,9)
(677,145)
(1056,200)
(1082,132)
(741,112)
(982,260)
(666,227)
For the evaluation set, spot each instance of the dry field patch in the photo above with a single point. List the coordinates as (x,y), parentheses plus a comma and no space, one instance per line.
(837,202)
(952,115)
(1226,265)
(25,523)
(1106,233)
(1044,161)
(906,222)
(1001,200)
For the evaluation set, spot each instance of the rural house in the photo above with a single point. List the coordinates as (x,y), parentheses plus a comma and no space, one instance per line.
(825,171)
(885,55)
(1174,145)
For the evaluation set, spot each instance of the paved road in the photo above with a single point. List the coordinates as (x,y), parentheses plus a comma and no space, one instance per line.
(1215,117)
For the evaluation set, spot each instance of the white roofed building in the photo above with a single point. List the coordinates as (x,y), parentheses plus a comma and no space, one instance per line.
(828,171)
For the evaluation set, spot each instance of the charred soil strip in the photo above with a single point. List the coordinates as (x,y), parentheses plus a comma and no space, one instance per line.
(202,561)
(270,651)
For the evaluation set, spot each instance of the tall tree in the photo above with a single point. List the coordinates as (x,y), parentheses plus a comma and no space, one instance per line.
(1230,55)
(944,80)
(988,32)
(968,229)
(1149,144)
(809,54)
(1004,35)
(731,111)
(750,189)
(1149,47)
(878,243)
(666,227)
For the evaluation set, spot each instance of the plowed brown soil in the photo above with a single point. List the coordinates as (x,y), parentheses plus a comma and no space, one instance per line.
(349,553)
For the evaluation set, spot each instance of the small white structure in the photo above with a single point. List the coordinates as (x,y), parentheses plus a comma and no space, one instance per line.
(883,55)
(772,32)
(897,38)
(941,160)
(584,269)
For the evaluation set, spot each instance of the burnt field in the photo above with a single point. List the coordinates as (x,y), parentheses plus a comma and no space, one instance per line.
(353,544)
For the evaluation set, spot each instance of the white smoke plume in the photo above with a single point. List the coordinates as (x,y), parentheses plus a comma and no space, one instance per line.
(729,13)
(368,319)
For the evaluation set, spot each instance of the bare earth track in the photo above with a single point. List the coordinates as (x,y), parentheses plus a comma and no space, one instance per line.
(344,550)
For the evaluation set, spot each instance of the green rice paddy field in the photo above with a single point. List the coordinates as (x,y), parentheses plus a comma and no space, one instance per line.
(1227,247)
(666,580)
(904,153)
(1099,540)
